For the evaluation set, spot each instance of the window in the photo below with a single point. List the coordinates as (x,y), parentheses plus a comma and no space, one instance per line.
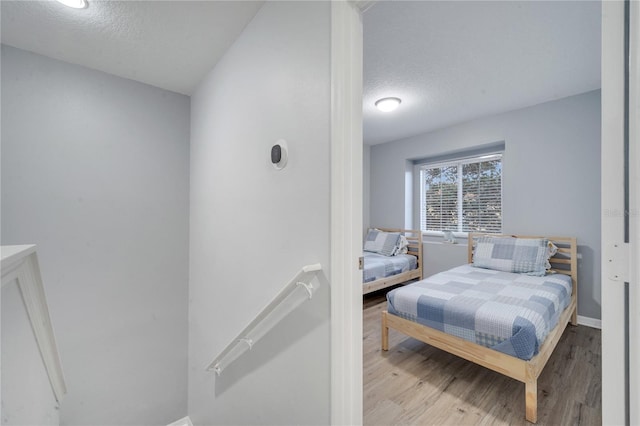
(463,195)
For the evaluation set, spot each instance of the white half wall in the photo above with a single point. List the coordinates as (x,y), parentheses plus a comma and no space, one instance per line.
(95,172)
(551,176)
(27,398)
(253,227)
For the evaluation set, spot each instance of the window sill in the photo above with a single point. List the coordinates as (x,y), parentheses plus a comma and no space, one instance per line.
(441,234)
(461,243)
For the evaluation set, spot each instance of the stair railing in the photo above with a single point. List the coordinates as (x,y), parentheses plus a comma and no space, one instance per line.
(288,299)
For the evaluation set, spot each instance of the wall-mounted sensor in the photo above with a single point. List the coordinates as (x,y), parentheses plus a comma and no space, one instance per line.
(279,154)
(276,154)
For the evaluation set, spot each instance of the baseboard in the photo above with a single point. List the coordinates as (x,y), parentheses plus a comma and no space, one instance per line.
(185,421)
(590,322)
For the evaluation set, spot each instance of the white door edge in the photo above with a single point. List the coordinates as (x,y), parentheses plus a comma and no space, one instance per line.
(346,212)
(612,216)
(634,216)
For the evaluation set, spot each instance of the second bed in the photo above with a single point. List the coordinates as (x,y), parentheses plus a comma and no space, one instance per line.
(508,322)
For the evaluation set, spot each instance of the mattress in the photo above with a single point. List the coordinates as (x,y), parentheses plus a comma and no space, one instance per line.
(377,266)
(508,312)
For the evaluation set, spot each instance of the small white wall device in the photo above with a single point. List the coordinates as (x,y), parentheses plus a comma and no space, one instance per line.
(279,154)
(448,236)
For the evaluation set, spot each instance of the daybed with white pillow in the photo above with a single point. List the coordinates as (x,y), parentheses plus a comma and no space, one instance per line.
(506,310)
(391,256)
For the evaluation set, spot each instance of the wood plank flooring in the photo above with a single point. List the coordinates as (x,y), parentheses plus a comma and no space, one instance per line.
(416,384)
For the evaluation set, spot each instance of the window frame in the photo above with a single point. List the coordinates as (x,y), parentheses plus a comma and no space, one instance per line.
(458,162)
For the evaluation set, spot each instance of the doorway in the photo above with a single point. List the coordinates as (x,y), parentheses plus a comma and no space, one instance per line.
(391,217)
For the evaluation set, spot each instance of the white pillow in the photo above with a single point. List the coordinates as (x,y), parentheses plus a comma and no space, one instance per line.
(402,247)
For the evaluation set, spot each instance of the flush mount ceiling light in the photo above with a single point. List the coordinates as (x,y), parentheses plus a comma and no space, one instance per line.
(388,104)
(76,4)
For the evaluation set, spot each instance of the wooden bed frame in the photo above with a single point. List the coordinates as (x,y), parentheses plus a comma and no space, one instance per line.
(415,248)
(564,262)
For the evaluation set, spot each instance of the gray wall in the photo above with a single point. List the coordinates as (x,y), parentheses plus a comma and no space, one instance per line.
(95,172)
(253,227)
(551,176)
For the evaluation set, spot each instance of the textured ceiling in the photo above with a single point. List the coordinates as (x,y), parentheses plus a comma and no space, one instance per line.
(449,61)
(168,44)
(452,62)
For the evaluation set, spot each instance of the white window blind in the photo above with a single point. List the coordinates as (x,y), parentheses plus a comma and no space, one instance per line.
(463,195)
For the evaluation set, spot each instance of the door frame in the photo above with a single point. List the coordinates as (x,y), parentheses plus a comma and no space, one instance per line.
(634,162)
(620,247)
(612,216)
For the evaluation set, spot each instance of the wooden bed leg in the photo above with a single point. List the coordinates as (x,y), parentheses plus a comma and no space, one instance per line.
(574,317)
(531,398)
(385,332)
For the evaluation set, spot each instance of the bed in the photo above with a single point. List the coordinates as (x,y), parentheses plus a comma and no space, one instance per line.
(505,321)
(383,271)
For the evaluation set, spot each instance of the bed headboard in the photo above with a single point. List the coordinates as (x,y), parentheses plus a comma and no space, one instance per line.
(564,262)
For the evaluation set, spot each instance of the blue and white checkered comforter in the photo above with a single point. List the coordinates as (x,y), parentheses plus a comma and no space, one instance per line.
(511,313)
(378,266)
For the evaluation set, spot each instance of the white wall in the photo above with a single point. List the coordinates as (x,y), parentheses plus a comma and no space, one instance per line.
(551,176)
(366,188)
(27,396)
(253,227)
(441,256)
(95,172)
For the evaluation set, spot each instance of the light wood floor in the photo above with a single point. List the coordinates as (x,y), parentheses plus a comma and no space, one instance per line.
(416,384)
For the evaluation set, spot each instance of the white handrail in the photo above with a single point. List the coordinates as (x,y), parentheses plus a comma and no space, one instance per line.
(286,301)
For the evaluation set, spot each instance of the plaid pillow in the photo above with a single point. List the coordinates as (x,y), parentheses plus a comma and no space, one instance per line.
(508,254)
(380,242)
